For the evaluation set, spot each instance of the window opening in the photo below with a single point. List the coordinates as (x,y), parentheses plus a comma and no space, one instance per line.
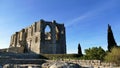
(36,39)
(47,33)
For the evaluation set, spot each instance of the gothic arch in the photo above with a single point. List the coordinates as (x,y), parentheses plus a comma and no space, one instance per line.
(47,28)
(47,32)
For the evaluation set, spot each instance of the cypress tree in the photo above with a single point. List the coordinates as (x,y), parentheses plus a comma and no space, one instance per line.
(110,39)
(79,50)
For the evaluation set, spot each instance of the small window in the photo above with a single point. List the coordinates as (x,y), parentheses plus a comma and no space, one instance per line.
(36,39)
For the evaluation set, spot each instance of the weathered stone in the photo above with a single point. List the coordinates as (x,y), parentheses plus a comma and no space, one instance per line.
(16,49)
(64,65)
(35,39)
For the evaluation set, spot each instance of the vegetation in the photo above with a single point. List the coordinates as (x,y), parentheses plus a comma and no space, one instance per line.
(110,39)
(94,53)
(61,56)
(79,50)
(113,56)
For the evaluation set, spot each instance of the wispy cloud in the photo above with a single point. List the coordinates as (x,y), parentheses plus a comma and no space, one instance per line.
(80,18)
(91,13)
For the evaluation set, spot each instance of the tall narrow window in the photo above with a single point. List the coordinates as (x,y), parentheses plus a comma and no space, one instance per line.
(31,31)
(26,33)
(47,33)
(35,26)
(36,39)
(57,33)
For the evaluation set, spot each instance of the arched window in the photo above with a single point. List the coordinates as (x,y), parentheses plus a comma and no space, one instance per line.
(47,33)
(47,29)
(36,39)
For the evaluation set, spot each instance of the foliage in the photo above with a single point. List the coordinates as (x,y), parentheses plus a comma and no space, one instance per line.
(113,56)
(94,53)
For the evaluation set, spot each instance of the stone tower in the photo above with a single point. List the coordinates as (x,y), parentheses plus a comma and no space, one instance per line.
(35,38)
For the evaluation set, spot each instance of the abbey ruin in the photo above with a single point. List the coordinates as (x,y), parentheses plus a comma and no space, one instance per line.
(35,39)
(37,47)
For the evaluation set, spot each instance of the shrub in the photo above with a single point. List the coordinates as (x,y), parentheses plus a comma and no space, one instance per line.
(94,53)
(113,56)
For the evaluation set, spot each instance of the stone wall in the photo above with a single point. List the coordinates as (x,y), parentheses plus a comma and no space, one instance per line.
(16,49)
(48,63)
(35,39)
(22,66)
(86,63)
(7,55)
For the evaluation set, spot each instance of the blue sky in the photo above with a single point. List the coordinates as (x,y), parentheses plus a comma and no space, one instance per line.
(85,20)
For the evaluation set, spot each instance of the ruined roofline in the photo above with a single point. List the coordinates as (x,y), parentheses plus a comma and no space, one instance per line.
(41,20)
(53,21)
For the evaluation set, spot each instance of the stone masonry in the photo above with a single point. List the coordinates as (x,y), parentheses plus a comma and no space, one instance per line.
(35,38)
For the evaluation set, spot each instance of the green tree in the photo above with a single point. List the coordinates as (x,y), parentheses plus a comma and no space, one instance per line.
(94,53)
(113,56)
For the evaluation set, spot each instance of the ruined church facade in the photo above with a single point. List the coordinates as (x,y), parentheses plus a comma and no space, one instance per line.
(36,39)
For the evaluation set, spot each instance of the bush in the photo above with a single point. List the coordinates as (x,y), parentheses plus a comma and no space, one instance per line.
(113,56)
(94,53)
